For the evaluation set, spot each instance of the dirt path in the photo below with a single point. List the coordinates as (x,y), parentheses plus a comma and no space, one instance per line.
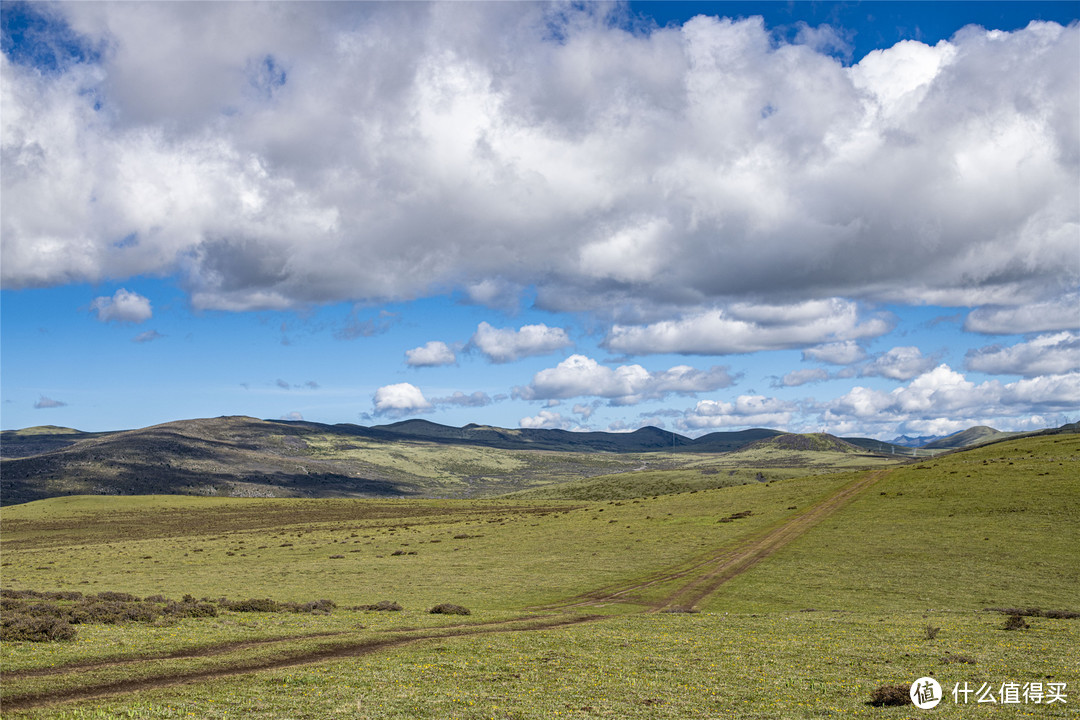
(197,652)
(750,553)
(711,571)
(705,575)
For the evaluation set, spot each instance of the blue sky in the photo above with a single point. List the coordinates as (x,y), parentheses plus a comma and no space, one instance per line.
(860,218)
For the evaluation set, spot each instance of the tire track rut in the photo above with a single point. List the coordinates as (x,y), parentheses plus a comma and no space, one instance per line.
(721,566)
(337,652)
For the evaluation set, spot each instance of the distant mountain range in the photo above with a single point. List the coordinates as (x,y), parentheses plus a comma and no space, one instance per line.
(250,457)
(38,440)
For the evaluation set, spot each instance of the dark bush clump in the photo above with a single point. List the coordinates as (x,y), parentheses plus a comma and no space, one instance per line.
(1036,612)
(44,610)
(449,609)
(891,695)
(382,606)
(20,594)
(320,607)
(250,605)
(1015,622)
(191,609)
(107,613)
(27,615)
(736,516)
(30,628)
(142,612)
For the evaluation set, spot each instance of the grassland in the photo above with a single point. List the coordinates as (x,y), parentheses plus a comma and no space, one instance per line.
(564,596)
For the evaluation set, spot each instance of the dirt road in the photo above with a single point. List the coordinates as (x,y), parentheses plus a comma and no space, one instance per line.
(705,575)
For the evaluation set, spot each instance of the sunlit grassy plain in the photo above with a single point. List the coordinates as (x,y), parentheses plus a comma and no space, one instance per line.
(808,632)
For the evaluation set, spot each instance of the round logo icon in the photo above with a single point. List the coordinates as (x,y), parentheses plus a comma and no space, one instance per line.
(925,693)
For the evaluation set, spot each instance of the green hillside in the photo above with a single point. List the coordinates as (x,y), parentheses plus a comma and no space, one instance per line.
(996,525)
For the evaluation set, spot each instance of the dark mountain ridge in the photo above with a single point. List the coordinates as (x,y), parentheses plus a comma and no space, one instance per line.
(244,456)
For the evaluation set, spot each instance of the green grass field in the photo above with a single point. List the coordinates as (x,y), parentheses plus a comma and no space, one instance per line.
(563,594)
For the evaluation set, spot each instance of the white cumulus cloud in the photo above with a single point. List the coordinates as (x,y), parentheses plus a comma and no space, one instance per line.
(745,328)
(123,306)
(546,419)
(399,400)
(430,354)
(946,398)
(1054,354)
(582,376)
(1060,314)
(745,411)
(899,363)
(503,345)
(846,352)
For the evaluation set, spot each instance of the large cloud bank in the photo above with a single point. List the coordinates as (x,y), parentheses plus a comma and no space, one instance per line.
(277,155)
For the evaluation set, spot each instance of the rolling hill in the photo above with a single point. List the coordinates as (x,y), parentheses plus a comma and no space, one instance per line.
(247,457)
(966,438)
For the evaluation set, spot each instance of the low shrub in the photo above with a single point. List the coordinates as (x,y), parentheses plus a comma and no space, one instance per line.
(250,605)
(27,614)
(891,695)
(383,606)
(1015,622)
(31,628)
(1037,612)
(191,609)
(106,613)
(43,610)
(321,607)
(449,609)
(1061,614)
(142,612)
